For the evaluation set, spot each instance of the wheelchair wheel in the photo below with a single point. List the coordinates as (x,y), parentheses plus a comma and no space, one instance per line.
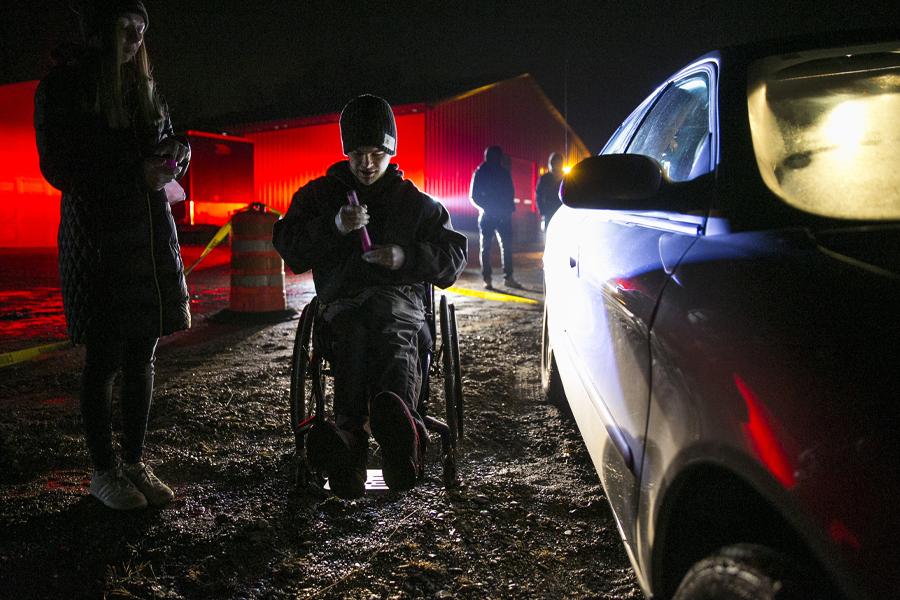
(448,370)
(457,376)
(304,375)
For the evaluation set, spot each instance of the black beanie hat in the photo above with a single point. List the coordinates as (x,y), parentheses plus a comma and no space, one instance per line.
(368,121)
(98,14)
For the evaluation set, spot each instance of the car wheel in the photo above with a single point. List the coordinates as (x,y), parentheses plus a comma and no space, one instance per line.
(741,572)
(551,384)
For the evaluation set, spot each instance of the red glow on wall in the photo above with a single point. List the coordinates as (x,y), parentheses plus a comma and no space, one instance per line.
(29,206)
(761,434)
(219,181)
(514,114)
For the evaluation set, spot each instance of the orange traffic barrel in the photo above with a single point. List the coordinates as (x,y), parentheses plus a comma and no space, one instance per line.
(257,271)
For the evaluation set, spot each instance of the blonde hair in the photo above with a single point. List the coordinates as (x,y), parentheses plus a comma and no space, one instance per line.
(117,79)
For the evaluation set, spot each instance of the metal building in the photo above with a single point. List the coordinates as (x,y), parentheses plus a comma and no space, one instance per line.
(440,143)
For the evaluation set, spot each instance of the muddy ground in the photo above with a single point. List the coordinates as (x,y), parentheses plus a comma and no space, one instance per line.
(530,519)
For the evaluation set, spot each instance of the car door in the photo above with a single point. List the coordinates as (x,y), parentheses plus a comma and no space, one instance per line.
(623,262)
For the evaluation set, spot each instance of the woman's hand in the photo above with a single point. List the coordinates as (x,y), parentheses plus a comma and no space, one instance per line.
(390,256)
(172,149)
(157,173)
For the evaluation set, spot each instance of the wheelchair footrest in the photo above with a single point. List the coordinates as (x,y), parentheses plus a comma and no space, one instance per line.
(374,482)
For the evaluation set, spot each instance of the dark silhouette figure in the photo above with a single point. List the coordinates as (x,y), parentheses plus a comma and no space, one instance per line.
(492,192)
(547,191)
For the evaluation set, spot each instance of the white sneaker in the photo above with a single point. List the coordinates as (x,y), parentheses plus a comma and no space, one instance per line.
(141,475)
(114,490)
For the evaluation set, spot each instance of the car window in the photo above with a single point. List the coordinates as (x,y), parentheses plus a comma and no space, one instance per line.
(676,131)
(616,144)
(825,130)
(619,141)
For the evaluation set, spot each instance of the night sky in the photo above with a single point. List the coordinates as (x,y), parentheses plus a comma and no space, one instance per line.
(234,60)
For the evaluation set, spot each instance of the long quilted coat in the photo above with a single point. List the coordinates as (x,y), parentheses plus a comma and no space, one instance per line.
(119,259)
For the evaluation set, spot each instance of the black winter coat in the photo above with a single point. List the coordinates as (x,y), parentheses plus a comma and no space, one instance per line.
(119,259)
(308,238)
(492,189)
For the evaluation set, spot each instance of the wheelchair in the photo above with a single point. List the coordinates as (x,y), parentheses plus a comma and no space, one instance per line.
(312,389)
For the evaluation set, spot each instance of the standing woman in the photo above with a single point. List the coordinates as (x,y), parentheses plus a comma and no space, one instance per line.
(105,140)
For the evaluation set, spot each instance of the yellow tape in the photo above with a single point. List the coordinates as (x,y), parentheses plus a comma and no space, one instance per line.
(486,295)
(217,239)
(11,358)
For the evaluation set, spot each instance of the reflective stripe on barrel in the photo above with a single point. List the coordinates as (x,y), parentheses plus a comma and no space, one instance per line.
(257,271)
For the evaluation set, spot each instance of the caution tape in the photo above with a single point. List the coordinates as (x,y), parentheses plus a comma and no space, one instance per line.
(11,358)
(487,295)
(217,239)
(220,236)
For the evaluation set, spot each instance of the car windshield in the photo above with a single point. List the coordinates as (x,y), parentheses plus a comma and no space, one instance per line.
(826,131)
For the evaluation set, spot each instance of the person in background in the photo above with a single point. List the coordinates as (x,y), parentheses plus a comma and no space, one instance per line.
(105,140)
(372,301)
(547,191)
(493,194)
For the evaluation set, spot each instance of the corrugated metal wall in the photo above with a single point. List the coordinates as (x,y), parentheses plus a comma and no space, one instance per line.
(29,206)
(287,158)
(514,114)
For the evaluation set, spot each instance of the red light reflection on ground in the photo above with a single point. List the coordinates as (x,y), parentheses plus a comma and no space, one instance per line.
(58,401)
(761,434)
(67,481)
(31,311)
(32,315)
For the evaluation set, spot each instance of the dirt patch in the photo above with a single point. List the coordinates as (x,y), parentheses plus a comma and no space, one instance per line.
(529,521)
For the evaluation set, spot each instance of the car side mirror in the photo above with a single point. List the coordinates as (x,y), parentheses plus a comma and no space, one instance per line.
(612,182)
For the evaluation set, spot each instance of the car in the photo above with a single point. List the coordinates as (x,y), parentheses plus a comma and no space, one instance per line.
(722,319)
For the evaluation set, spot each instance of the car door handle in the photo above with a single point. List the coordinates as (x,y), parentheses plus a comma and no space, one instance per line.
(572,262)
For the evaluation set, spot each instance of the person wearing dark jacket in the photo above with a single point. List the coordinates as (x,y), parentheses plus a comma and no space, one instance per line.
(372,302)
(492,193)
(547,191)
(105,140)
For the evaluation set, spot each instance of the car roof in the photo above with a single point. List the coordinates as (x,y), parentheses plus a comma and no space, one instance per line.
(785,45)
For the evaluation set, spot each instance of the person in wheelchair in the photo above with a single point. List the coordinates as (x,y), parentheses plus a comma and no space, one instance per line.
(372,301)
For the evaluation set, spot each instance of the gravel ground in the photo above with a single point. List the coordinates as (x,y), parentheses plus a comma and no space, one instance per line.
(530,519)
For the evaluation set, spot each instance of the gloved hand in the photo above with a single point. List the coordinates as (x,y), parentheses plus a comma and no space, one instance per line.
(390,256)
(351,218)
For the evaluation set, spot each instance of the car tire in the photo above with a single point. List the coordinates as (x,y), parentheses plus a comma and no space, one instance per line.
(742,572)
(551,384)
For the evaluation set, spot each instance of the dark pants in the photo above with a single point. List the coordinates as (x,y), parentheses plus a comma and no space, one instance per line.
(501,226)
(105,357)
(375,348)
